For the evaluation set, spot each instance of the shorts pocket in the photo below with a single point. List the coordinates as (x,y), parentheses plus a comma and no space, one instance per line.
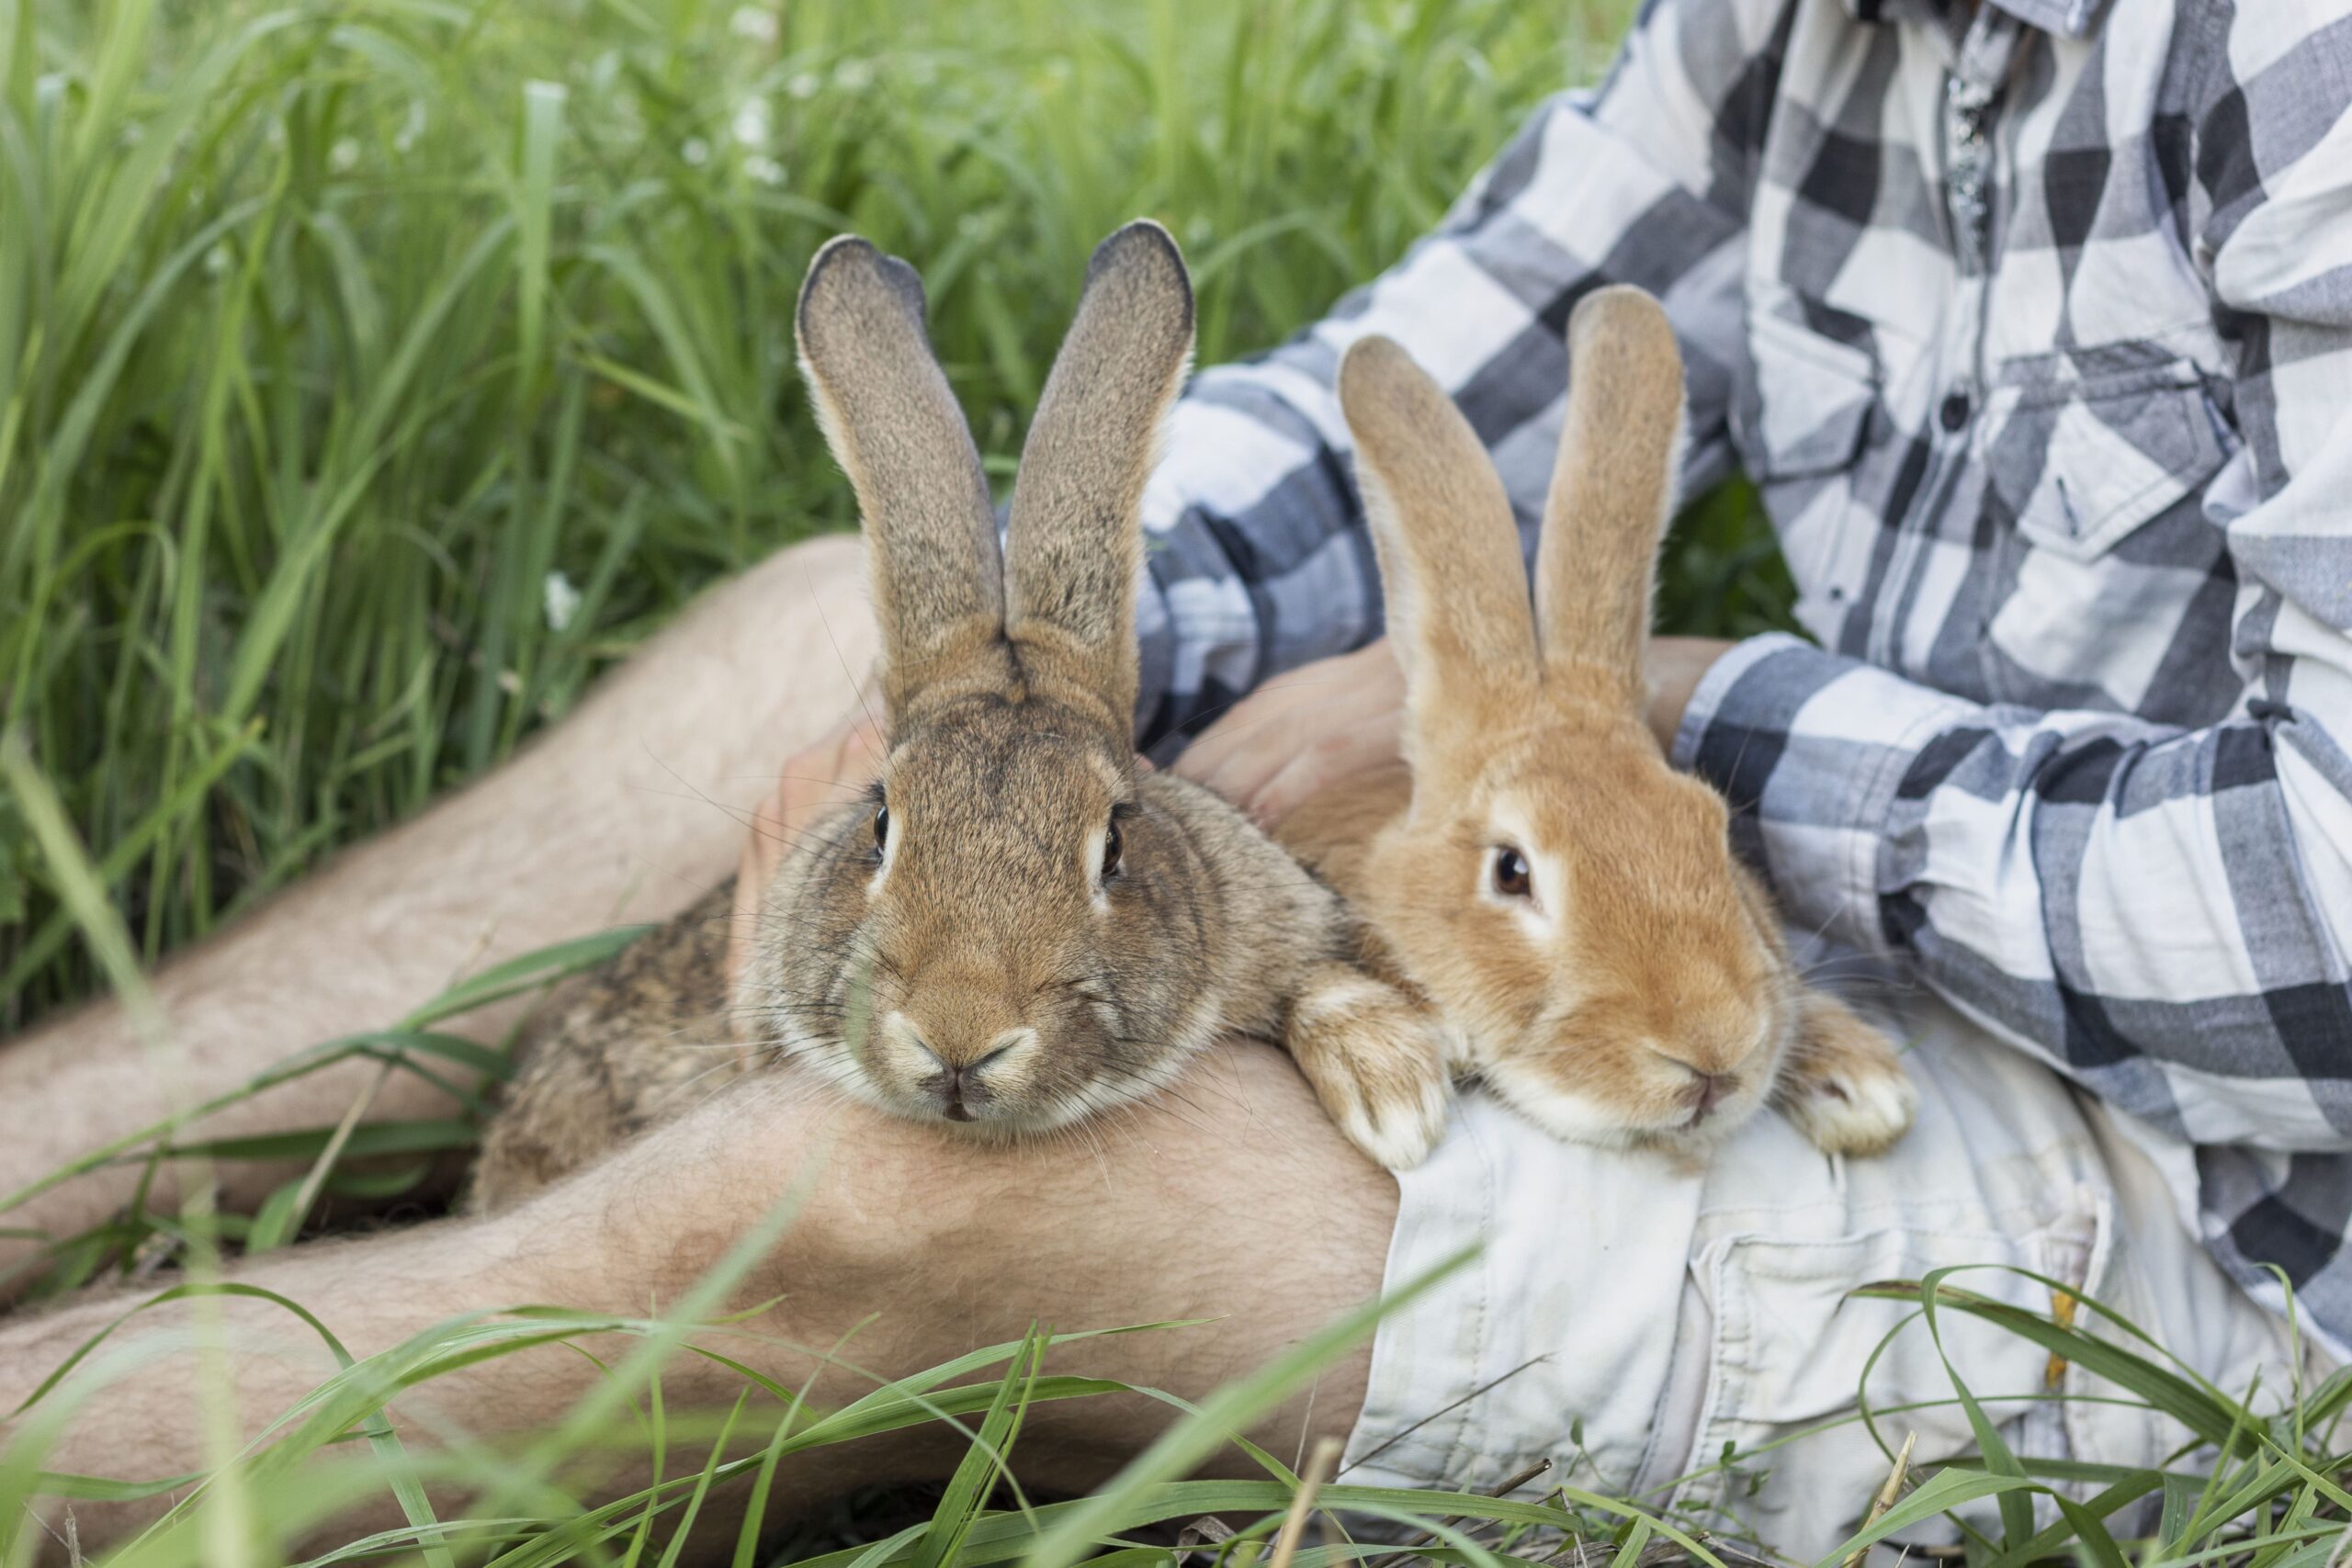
(1792,1341)
(2080,448)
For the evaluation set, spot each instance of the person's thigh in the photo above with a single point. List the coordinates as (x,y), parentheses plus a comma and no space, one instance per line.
(1227,1210)
(1229,1205)
(1640,1321)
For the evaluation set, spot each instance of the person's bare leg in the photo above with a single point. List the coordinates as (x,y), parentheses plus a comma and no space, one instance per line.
(628,809)
(1232,1199)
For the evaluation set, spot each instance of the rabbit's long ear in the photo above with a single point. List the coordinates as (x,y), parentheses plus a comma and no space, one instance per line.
(1450,567)
(1074,546)
(1612,493)
(895,428)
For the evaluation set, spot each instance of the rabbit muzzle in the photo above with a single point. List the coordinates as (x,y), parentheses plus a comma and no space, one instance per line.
(957,1046)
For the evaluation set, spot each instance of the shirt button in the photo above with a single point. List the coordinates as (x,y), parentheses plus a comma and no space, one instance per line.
(1954,412)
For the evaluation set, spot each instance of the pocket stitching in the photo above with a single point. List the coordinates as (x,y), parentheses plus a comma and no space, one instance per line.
(2096,537)
(1839,357)
(1845,432)
(1756,1247)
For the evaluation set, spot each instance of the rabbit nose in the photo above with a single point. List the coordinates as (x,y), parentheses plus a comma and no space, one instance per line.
(959,1091)
(958,1085)
(1706,1091)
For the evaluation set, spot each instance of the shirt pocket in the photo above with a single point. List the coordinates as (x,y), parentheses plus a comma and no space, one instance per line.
(1806,409)
(1809,411)
(2080,448)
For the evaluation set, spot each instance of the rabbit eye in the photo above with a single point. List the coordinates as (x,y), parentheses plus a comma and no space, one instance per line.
(1113,848)
(1511,878)
(881,828)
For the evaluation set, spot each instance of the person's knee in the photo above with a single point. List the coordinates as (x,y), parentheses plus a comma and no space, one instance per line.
(830,556)
(1227,1196)
(895,1206)
(855,1197)
(827,571)
(801,613)
(1120,1188)
(902,1205)
(882,1209)
(760,664)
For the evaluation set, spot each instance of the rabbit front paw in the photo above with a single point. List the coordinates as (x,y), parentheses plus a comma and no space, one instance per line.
(1378,1061)
(1844,1085)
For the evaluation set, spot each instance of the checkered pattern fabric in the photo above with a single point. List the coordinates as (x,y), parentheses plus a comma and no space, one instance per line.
(2032,322)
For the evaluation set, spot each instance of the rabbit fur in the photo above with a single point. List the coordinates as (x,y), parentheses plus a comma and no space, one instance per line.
(1016,927)
(1568,903)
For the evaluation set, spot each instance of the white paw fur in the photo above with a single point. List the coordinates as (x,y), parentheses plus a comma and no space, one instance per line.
(1856,1108)
(1377,1061)
(1398,1134)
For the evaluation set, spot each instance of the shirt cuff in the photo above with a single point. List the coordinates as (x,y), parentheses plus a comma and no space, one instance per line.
(1812,749)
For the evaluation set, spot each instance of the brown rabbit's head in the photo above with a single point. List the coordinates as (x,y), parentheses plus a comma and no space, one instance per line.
(1568,900)
(1003,933)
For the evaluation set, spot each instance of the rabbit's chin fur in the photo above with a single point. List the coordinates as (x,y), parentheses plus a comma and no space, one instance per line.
(1586,1117)
(900,1093)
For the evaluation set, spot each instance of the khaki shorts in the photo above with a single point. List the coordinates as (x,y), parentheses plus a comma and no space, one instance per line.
(1662,1316)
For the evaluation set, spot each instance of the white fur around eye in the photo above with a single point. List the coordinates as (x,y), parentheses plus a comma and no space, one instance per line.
(1538,912)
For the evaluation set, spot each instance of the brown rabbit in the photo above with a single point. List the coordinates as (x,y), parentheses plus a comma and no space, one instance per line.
(1565,899)
(1016,928)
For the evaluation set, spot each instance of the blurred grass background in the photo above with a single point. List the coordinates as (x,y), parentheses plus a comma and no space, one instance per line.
(374,372)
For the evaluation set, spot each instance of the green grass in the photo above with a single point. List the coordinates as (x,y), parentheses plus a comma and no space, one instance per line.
(2258,1480)
(331,332)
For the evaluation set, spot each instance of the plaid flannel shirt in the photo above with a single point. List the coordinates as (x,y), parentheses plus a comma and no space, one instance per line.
(2032,322)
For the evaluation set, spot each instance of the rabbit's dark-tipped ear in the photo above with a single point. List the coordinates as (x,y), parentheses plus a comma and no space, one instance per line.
(1450,567)
(1612,493)
(895,428)
(1074,548)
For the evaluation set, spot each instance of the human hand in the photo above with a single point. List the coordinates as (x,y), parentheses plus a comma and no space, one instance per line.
(818,776)
(1341,717)
(1676,665)
(1300,733)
